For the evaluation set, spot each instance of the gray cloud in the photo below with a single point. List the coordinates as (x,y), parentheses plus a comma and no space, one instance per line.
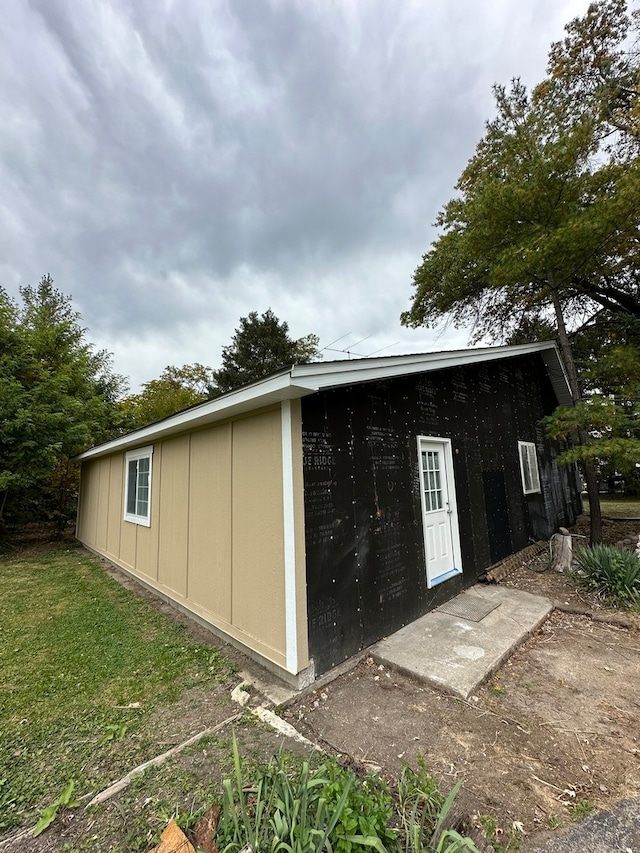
(177,165)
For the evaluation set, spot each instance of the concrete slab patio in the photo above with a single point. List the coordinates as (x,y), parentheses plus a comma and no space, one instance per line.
(456,653)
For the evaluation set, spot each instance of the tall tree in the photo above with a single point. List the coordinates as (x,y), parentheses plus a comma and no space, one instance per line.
(260,346)
(177,388)
(545,226)
(597,67)
(57,396)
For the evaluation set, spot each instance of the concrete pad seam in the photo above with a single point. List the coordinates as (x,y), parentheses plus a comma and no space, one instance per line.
(523,625)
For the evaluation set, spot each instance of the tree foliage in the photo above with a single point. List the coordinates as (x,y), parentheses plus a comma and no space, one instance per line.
(610,409)
(176,389)
(260,346)
(544,233)
(549,203)
(537,221)
(57,397)
(597,67)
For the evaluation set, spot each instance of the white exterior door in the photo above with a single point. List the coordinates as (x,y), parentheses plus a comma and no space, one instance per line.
(439,511)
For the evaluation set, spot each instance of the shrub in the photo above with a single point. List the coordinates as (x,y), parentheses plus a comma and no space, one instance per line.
(610,571)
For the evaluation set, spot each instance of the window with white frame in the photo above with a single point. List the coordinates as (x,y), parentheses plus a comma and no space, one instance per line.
(137,500)
(529,467)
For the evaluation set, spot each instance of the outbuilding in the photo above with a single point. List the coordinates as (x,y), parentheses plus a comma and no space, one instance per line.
(307,515)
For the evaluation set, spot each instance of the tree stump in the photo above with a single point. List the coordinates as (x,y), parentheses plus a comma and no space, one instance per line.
(561,551)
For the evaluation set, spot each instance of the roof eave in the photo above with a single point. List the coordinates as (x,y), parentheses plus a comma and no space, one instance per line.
(323,376)
(261,394)
(299,380)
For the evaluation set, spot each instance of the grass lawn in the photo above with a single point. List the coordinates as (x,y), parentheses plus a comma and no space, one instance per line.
(617,506)
(84,664)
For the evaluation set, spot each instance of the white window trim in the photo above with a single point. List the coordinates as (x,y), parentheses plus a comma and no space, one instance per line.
(528,455)
(139,453)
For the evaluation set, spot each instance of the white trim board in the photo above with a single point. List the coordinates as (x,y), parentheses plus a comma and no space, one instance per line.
(289,532)
(302,379)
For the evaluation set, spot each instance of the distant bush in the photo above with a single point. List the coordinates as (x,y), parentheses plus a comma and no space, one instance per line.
(612,572)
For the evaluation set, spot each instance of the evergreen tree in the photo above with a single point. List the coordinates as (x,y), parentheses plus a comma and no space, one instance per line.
(260,346)
(57,397)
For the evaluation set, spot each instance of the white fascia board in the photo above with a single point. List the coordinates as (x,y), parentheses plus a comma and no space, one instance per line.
(289,540)
(363,370)
(260,394)
(302,379)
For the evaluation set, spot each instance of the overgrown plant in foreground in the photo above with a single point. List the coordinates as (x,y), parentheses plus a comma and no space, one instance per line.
(368,811)
(610,571)
(286,809)
(424,811)
(294,808)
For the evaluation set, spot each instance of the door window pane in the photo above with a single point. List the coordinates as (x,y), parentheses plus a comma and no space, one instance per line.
(431,466)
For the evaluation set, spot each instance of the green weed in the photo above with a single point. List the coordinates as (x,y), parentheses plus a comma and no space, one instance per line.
(580,809)
(114,731)
(367,812)
(293,807)
(419,794)
(424,811)
(501,841)
(284,810)
(64,800)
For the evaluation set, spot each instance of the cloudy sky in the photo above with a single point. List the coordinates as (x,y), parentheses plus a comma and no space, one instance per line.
(176,164)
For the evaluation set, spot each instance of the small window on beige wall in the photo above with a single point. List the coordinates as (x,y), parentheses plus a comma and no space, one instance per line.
(137,499)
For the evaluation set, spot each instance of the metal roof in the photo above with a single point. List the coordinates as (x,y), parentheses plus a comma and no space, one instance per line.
(299,380)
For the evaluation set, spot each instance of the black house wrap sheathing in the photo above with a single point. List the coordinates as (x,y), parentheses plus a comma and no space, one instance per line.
(364,541)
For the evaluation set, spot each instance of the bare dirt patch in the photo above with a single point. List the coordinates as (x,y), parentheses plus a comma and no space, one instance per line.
(556,726)
(536,578)
(553,734)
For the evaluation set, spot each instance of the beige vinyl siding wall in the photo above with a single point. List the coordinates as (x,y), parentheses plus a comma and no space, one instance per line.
(215,544)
